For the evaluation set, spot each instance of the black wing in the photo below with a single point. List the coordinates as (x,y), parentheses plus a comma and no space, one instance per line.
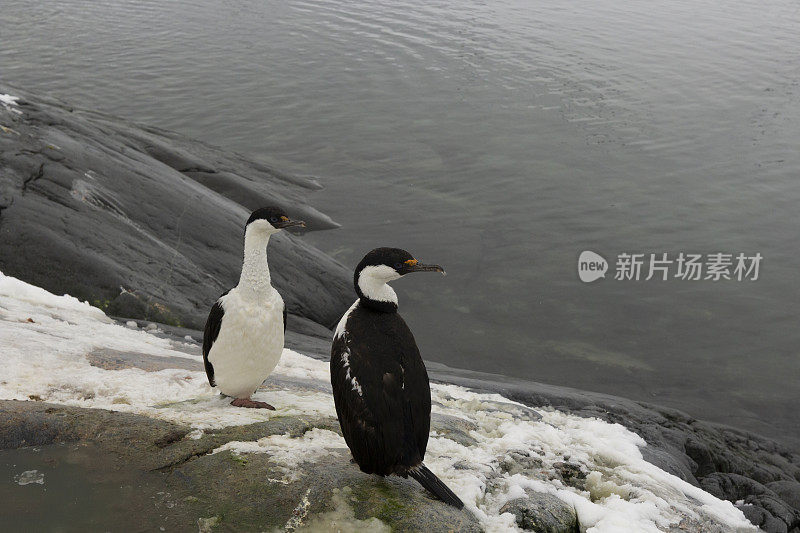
(418,394)
(284,319)
(210,334)
(385,412)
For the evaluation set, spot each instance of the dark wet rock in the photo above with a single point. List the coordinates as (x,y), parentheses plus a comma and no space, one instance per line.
(518,411)
(520,461)
(241,493)
(695,525)
(733,485)
(145,223)
(788,491)
(667,460)
(129,304)
(453,428)
(108,359)
(543,513)
(772,512)
(731,463)
(700,453)
(308,338)
(763,519)
(570,474)
(39,424)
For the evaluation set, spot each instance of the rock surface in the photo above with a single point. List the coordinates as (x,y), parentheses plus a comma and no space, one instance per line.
(223,490)
(90,204)
(543,513)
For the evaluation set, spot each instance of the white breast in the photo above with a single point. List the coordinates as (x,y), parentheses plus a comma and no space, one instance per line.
(249,344)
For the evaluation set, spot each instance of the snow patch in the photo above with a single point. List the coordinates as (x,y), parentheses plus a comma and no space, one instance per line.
(10,103)
(7,99)
(20,293)
(30,477)
(47,341)
(623,492)
(290,452)
(196,434)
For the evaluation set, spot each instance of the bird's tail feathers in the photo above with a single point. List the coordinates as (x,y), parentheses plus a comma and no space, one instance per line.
(435,485)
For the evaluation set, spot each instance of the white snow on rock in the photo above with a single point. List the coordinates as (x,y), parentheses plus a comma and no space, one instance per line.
(290,452)
(195,434)
(10,103)
(23,293)
(29,477)
(7,99)
(47,340)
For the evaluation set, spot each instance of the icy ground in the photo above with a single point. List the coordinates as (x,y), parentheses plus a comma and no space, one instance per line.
(7,99)
(10,102)
(48,341)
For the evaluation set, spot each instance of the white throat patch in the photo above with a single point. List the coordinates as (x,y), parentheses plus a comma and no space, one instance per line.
(259,228)
(372,281)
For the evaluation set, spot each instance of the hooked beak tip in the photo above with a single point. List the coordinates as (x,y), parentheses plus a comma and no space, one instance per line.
(420,267)
(293,224)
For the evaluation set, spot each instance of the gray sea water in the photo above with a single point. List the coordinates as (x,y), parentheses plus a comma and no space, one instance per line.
(501,139)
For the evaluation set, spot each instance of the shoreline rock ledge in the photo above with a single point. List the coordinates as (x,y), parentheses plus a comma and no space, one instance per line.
(143,222)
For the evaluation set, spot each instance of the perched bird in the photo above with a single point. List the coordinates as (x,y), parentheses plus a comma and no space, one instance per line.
(243,338)
(380,385)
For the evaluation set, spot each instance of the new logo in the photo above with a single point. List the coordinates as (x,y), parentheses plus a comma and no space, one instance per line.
(591,266)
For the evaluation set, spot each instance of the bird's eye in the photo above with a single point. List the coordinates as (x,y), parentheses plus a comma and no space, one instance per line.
(398,266)
(273,218)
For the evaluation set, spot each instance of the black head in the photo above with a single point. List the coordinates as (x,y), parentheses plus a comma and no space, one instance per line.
(380,266)
(397,259)
(275,216)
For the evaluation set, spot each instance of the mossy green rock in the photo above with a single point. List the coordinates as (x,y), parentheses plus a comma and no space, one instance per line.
(192,489)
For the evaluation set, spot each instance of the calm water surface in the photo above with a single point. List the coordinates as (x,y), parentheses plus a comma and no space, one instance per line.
(501,139)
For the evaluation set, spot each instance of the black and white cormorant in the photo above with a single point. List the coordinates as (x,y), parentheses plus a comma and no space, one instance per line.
(380,385)
(243,338)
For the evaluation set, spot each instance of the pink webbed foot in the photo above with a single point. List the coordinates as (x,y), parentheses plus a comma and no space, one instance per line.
(252,404)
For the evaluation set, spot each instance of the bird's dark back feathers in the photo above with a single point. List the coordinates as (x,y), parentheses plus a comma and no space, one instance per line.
(381,392)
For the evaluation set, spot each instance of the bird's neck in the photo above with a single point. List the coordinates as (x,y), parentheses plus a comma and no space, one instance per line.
(376,294)
(377,305)
(255,281)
